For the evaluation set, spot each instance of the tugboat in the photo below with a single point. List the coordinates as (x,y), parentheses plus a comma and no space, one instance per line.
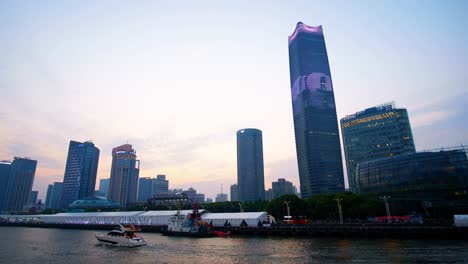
(190,226)
(123,237)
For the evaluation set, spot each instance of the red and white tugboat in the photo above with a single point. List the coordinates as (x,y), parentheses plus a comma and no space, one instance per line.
(190,226)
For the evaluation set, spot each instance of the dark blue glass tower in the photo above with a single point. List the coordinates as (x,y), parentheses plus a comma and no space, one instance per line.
(315,121)
(250,174)
(80,172)
(20,183)
(5,170)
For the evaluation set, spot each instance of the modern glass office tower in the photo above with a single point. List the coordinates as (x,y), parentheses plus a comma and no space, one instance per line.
(5,170)
(428,175)
(145,189)
(315,122)
(377,132)
(20,183)
(80,172)
(234,193)
(250,175)
(124,175)
(104,186)
(48,199)
(57,191)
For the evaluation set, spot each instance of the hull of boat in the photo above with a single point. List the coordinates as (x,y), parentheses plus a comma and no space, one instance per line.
(187,234)
(120,241)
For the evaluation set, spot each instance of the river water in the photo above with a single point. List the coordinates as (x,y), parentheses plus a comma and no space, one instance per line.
(41,245)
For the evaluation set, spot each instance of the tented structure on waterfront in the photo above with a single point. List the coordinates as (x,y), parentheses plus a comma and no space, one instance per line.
(150,218)
(141,218)
(236,219)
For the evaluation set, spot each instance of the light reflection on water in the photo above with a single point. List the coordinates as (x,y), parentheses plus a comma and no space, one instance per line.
(39,245)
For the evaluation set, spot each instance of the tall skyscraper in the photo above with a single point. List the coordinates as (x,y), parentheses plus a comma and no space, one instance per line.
(282,187)
(145,189)
(315,122)
(20,183)
(80,172)
(48,199)
(104,186)
(250,175)
(234,193)
(124,175)
(5,171)
(377,132)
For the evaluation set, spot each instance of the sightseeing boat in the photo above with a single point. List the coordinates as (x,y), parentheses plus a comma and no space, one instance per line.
(124,237)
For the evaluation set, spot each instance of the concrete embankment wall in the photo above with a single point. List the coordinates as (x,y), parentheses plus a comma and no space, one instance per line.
(362,231)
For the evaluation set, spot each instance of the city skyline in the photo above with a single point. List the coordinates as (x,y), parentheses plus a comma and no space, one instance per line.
(64,69)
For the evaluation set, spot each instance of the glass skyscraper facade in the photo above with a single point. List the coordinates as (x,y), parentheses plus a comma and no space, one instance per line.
(20,183)
(5,170)
(80,172)
(104,186)
(250,174)
(145,189)
(315,121)
(124,175)
(377,132)
(429,175)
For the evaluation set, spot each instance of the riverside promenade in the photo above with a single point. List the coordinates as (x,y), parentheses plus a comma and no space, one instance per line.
(401,231)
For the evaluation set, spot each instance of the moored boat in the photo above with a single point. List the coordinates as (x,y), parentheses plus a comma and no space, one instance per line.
(190,226)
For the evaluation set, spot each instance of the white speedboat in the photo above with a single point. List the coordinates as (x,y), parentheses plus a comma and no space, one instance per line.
(123,237)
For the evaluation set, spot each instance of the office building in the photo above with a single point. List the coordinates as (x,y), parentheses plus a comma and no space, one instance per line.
(33,197)
(282,187)
(56,196)
(79,179)
(48,196)
(160,184)
(234,193)
(377,132)
(315,122)
(250,174)
(427,175)
(145,189)
(269,195)
(20,183)
(5,170)
(124,175)
(104,186)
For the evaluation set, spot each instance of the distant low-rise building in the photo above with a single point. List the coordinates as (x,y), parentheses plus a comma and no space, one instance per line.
(282,187)
(221,197)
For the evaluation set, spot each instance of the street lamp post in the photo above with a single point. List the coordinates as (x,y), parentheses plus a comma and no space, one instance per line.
(338,200)
(287,208)
(240,208)
(387,208)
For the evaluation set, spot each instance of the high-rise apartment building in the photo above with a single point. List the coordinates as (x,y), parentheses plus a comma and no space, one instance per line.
(124,175)
(315,122)
(20,183)
(5,171)
(282,187)
(377,132)
(234,193)
(104,186)
(250,174)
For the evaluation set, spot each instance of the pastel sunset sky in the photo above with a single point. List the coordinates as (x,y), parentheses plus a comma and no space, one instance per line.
(177,79)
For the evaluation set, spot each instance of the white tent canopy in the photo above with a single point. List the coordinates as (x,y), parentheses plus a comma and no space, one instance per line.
(235,219)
